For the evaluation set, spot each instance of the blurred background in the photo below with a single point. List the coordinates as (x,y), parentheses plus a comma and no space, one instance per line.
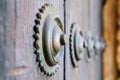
(111,32)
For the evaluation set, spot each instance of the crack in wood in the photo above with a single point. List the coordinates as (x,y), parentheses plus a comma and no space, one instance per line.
(19,71)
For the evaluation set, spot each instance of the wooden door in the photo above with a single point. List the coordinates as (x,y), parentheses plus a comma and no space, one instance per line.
(87,14)
(17,58)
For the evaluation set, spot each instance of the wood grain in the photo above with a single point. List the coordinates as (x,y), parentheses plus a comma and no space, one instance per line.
(85,13)
(16,30)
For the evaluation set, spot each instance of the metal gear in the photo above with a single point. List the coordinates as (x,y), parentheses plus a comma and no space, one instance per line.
(48,69)
(76,44)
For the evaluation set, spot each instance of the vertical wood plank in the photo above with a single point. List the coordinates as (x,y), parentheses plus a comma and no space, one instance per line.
(109,26)
(118,41)
(16,29)
(95,28)
(2,39)
(86,13)
(7,42)
(76,11)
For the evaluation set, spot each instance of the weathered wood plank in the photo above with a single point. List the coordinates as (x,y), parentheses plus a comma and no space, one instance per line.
(7,43)
(95,9)
(2,40)
(77,11)
(16,30)
(86,13)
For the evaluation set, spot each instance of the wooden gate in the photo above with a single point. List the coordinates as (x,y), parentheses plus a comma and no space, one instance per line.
(17,20)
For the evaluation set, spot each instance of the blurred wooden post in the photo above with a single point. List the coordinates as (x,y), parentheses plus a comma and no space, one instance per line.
(109,29)
(118,42)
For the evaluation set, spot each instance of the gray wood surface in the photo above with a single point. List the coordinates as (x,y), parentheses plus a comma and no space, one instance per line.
(17,58)
(86,13)
(77,11)
(2,40)
(96,27)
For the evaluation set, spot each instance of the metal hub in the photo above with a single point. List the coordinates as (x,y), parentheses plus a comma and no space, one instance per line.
(49,37)
(90,48)
(76,43)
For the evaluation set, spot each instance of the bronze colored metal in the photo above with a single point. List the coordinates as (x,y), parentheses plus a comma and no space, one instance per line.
(49,37)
